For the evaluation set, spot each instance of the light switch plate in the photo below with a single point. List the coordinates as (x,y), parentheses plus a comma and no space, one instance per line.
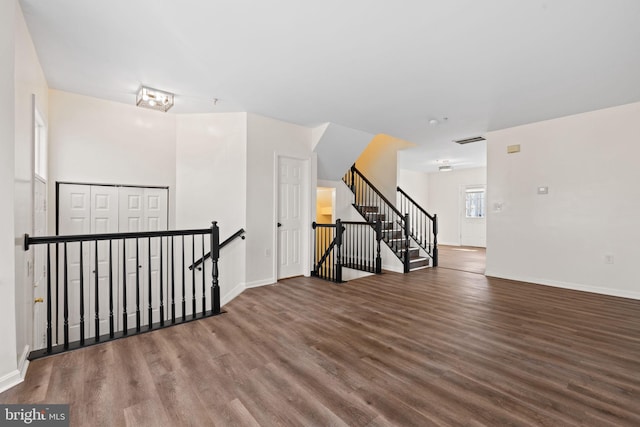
(543,190)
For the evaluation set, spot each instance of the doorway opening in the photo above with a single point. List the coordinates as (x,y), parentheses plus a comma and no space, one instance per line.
(325,201)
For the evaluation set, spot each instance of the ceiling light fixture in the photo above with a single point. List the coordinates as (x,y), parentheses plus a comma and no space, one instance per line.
(445,168)
(154,99)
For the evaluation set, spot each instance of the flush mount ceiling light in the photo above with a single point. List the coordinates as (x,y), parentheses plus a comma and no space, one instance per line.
(436,122)
(154,99)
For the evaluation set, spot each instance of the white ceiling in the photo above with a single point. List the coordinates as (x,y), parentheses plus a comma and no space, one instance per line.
(373,65)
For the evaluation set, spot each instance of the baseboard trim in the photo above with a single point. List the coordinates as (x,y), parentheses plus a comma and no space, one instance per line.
(258,283)
(567,285)
(232,294)
(23,363)
(11,379)
(393,267)
(241,287)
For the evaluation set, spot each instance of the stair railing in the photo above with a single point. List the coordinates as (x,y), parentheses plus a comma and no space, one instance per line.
(361,246)
(422,226)
(112,296)
(373,205)
(346,244)
(240,233)
(327,251)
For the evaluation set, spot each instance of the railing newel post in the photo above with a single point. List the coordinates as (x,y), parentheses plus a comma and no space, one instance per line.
(378,239)
(406,243)
(435,240)
(215,255)
(339,230)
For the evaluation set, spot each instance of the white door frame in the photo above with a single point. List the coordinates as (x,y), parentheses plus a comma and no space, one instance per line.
(39,174)
(306,212)
(462,208)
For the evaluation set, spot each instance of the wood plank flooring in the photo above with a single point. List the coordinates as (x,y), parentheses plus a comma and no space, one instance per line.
(463,258)
(434,347)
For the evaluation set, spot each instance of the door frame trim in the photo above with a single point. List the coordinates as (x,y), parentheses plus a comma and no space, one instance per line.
(306,213)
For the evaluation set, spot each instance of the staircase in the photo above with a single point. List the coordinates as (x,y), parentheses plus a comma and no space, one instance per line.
(393,234)
(411,236)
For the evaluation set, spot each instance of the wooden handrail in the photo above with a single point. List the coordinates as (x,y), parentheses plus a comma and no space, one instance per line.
(400,190)
(239,233)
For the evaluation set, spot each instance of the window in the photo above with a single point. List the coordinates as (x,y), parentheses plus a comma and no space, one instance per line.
(474,202)
(40,146)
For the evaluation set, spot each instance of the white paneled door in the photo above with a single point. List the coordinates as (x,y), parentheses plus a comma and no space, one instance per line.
(290,217)
(142,209)
(90,209)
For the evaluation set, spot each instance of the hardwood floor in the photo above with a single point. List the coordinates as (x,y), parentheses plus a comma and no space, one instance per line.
(434,347)
(464,258)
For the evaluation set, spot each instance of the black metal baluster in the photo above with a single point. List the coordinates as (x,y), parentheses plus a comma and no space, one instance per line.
(215,255)
(65,298)
(173,281)
(150,286)
(111,319)
(328,262)
(97,295)
(125,316)
(138,266)
(57,291)
(161,286)
(193,277)
(49,332)
(81,296)
(204,281)
(184,300)
(323,250)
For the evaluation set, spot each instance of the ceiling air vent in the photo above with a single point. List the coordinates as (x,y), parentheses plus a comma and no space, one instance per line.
(469,140)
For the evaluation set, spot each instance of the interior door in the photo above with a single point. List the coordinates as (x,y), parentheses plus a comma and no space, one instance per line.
(90,209)
(142,209)
(74,204)
(290,217)
(39,265)
(104,219)
(155,219)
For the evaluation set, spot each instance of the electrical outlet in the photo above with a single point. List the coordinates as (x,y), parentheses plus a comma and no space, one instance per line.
(608,259)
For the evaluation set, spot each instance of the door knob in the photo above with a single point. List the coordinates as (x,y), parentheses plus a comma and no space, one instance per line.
(38,300)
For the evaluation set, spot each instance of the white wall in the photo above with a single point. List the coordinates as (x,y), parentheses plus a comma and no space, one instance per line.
(211,185)
(29,81)
(8,362)
(337,148)
(97,141)
(379,163)
(416,185)
(590,164)
(267,138)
